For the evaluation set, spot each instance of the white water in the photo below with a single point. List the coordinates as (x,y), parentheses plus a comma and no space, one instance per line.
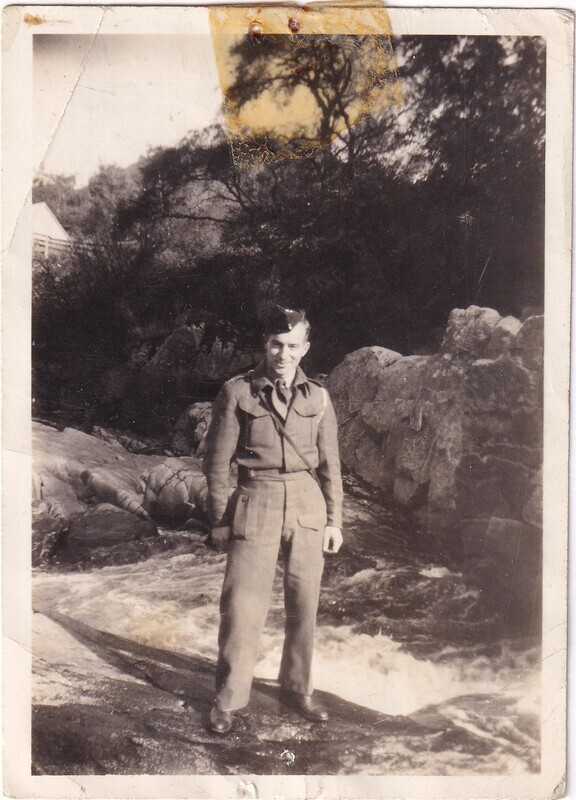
(156,603)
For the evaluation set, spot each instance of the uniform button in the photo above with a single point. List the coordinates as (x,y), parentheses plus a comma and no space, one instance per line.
(244,498)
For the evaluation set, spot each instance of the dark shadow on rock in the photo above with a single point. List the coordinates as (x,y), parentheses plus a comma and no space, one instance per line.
(159,727)
(182,675)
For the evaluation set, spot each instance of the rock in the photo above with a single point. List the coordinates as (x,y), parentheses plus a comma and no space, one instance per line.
(89,507)
(100,537)
(359,372)
(494,386)
(189,432)
(175,492)
(503,336)
(179,349)
(126,441)
(36,487)
(104,486)
(48,532)
(532,511)
(452,436)
(490,486)
(469,331)
(150,390)
(397,389)
(192,358)
(119,687)
(507,540)
(504,557)
(104,528)
(59,495)
(529,343)
(107,507)
(130,709)
(107,436)
(410,425)
(373,396)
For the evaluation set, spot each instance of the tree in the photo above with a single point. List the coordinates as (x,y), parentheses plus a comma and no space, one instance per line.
(70,205)
(443,208)
(274,82)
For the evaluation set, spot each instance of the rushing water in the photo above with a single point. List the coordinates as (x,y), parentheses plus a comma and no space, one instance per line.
(170,601)
(399,632)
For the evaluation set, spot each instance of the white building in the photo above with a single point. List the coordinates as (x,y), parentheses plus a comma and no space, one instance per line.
(49,237)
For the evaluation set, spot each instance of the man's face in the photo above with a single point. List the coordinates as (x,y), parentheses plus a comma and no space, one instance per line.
(284,351)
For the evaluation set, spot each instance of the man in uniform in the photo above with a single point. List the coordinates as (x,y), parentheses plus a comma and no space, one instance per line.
(280,428)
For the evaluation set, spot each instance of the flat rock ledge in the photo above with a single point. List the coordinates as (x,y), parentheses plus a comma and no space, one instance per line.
(111,706)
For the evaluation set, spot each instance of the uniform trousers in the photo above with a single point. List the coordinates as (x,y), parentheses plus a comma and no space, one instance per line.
(288,513)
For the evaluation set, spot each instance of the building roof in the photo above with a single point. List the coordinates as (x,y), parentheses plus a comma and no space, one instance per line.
(45,223)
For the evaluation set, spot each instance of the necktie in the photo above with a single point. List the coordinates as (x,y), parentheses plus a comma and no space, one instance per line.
(281,398)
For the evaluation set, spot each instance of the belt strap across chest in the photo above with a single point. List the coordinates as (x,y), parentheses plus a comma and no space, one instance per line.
(284,434)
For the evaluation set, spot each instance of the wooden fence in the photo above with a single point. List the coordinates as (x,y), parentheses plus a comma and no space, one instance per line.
(49,246)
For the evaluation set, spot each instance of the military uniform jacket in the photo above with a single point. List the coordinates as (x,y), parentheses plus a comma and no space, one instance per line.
(242,430)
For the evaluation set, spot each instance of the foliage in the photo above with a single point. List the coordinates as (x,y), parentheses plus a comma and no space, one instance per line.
(434,205)
(332,76)
(69,204)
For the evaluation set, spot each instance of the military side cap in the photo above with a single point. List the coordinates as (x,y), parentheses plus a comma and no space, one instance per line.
(282,320)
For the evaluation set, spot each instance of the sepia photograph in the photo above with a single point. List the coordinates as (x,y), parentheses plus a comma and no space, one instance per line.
(294,406)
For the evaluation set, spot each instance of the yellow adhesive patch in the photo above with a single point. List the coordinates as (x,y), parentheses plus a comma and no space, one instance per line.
(33,19)
(294,79)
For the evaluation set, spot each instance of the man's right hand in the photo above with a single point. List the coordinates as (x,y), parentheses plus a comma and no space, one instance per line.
(220,538)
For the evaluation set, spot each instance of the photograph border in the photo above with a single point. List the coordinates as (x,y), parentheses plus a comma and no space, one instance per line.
(17,129)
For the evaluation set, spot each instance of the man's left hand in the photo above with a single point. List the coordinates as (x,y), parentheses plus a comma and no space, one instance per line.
(332,539)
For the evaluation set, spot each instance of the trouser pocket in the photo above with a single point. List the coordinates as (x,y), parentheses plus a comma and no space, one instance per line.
(311,506)
(258,511)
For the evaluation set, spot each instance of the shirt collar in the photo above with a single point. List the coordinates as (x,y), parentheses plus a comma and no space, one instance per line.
(260,378)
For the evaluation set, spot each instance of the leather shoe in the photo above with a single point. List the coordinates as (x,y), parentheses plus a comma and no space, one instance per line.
(220,721)
(305,705)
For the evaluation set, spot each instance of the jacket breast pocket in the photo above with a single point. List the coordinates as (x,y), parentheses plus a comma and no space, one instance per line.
(307,429)
(259,430)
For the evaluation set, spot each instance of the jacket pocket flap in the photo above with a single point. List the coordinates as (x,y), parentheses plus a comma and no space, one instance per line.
(241,516)
(306,408)
(252,406)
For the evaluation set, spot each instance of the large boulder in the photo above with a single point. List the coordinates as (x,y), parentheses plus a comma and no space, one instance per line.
(150,391)
(48,532)
(179,349)
(504,559)
(106,536)
(189,432)
(176,492)
(455,437)
(96,504)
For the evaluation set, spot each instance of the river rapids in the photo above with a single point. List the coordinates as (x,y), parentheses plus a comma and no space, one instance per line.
(397,634)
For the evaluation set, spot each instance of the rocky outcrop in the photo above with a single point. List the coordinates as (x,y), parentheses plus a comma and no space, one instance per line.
(189,432)
(457,438)
(157,383)
(187,353)
(107,704)
(104,535)
(175,492)
(134,444)
(97,504)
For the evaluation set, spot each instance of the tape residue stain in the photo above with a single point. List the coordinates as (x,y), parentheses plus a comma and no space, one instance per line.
(32,19)
(287,94)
